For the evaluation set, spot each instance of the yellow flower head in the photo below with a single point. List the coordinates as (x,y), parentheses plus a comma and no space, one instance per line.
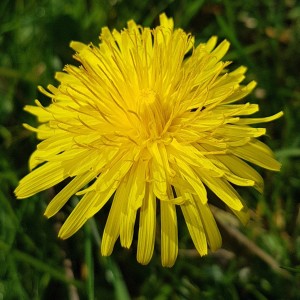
(148,120)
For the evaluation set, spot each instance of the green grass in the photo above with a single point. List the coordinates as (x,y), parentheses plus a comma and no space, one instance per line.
(260,261)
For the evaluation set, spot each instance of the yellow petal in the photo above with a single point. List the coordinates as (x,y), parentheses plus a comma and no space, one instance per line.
(237,109)
(49,148)
(158,173)
(194,180)
(78,161)
(221,50)
(134,194)
(260,120)
(212,232)
(112,227)
(242,92)
(67,192)
(233,178)
(236,131)
(190,155)
(42,113)
(78,216)
(40,179)
(169,235)
(223,190)
(138,185)
(165,21)
(118,169)
(60,141)
(147,227)
(89,204)
(128,217)
(242,169)
(211,43)
(258,153)
(77,46)
(195,226)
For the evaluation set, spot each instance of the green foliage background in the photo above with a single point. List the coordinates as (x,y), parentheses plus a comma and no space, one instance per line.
(260,261)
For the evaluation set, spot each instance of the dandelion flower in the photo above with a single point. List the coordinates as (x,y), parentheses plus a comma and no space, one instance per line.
(148,121)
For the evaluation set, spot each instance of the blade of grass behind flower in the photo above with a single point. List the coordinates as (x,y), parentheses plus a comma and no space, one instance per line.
(121,291)
(90,263)
(39,265)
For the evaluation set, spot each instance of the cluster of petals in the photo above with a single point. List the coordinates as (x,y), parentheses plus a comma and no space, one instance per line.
(148,122)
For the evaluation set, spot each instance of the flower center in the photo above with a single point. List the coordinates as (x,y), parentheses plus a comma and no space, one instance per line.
(148,96)
(151,113)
